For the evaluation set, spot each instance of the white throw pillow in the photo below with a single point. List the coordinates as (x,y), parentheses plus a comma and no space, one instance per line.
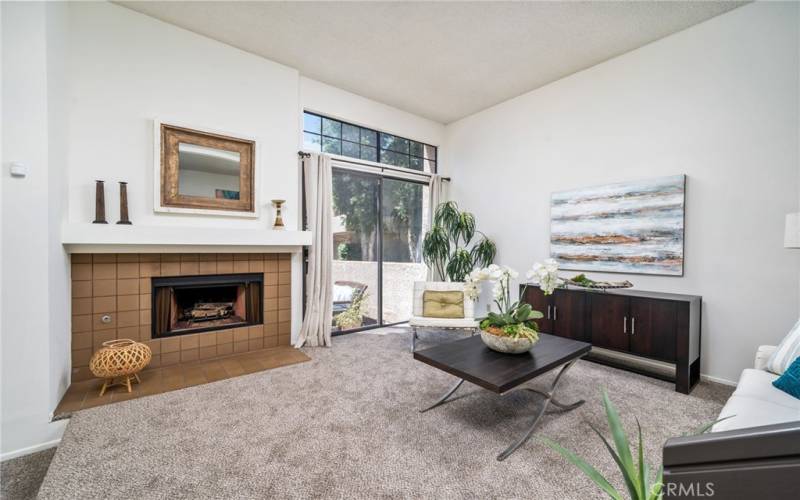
(786,352)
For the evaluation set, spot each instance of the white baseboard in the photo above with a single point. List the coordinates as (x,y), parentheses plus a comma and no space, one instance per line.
(30,449)
(718,380)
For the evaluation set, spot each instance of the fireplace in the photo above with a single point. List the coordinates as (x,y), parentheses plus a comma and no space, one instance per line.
(193,304)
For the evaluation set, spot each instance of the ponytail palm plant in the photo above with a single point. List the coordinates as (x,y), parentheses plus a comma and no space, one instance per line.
(448,248)
(636,473)
(640,481)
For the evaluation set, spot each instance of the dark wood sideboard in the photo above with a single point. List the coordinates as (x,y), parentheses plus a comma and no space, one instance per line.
(659,326)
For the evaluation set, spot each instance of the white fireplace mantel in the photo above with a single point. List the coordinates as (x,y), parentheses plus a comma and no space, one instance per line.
(112,238)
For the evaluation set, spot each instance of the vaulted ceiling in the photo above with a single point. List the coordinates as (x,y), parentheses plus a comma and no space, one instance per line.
(440,60)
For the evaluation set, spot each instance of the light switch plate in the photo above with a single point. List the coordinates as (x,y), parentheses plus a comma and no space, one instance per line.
(18,169)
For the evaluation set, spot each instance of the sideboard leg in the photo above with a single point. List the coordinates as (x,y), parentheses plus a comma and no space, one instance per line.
(682,377)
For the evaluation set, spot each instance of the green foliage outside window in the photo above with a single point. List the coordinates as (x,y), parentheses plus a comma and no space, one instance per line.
(355,199)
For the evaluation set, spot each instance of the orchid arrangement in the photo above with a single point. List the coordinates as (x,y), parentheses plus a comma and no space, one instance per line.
(513,319)
(546,275)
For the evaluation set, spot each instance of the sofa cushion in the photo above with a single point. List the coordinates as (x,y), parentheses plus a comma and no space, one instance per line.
(443,304)
(786,352)
(756,402)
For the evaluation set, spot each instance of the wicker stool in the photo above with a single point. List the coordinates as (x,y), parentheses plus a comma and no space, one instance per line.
(120,359)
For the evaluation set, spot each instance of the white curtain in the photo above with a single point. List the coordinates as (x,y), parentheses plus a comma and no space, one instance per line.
(316,329)
(437,194)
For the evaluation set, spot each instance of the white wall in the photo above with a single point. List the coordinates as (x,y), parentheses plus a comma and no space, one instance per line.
(718,102)
(58,149)
(35,328)
(3,170)
(126,68)
(330,101)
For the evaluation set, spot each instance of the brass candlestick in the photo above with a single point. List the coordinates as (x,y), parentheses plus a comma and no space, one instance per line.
(278,204)
(99,203)
(123,204)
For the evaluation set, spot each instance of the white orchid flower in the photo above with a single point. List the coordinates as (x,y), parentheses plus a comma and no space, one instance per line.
(495,274)
(545,274)
(471,290)
(497,291)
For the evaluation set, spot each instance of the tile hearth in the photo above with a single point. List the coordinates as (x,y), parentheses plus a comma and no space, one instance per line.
(111,298)
(84,395)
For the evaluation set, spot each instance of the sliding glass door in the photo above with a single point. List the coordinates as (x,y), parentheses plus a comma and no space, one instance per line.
(378,224)
(404,220)
(356,250)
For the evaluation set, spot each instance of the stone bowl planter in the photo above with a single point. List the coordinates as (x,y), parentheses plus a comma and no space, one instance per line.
(506,344)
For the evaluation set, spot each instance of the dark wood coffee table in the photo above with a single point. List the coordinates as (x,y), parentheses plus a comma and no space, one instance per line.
(471,360)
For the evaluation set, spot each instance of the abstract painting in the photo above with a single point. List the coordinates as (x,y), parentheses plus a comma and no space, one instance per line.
(629,227)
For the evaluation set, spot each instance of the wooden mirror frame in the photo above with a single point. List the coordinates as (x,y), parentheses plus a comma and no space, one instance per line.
(169,196)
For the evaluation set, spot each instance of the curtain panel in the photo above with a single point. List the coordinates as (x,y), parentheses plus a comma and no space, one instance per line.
(317,189)
(437,194)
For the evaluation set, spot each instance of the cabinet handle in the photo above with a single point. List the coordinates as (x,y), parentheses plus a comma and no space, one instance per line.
(555,313)
(625,324)
(633,325)
(548,312)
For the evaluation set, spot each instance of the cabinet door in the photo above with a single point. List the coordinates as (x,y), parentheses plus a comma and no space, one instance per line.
(610,322)
(569,314)
(652,328)
(542,303)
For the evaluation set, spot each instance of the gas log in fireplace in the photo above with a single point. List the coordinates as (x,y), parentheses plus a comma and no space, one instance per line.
(192,304)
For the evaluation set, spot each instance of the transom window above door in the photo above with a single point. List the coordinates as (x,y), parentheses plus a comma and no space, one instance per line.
(328,135)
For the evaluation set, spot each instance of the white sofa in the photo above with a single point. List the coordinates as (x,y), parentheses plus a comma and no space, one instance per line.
(756,402)
(753,454)
(468,322)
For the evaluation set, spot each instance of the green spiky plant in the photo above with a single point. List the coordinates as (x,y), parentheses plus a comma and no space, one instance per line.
(448,248)
(636,475)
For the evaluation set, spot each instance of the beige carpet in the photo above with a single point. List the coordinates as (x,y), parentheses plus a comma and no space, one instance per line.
(346,425)
(20,478)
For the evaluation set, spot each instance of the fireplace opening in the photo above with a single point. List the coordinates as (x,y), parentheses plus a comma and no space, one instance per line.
(192,304)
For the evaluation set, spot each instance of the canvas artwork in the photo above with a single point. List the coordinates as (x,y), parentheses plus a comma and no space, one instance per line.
(629,227)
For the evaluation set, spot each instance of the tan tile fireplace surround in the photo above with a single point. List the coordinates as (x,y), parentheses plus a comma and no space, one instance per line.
(119,286)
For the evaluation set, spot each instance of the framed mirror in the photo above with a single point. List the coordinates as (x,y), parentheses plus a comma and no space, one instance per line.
(201,171)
